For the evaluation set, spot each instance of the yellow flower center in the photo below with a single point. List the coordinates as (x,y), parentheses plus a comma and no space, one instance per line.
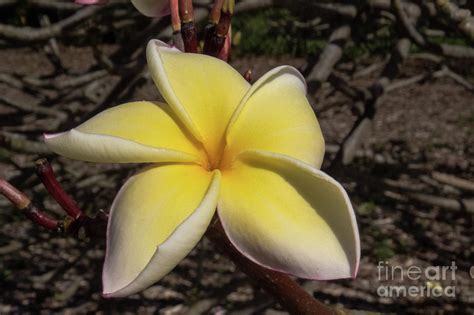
(221,161)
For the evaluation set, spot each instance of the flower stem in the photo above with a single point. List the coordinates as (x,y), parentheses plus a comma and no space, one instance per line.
(176,25)
(215,13)
(175,20)
(217,32)
(224,54)
(284,289)
(75,223)
(188,30)
(210,28)
(48,178)
(24,204)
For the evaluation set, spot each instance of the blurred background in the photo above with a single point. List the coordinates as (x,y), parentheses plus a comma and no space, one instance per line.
(390,81)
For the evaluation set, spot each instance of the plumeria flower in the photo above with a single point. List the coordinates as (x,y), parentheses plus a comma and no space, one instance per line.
(252,152)
(151,8)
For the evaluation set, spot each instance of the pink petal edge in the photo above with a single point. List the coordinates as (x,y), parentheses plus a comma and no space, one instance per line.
(48,136)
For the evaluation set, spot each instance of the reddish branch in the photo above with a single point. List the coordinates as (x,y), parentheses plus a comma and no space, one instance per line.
(24,204)
(188,29)
(285,290)
(224,54)
(48,178)
(75,223)
(215,13)
(216,34)
(175,19)
(176,25)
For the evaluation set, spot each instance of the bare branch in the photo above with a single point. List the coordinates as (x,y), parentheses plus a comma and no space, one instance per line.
(287,292)
(430,200)
(328,58)
(461,17)
(452,180)
(29,34)
(362,128)
(24,204)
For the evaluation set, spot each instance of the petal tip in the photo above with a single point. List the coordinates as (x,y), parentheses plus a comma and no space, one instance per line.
(114,294)
(50,136)
(106,295)
(290,70)
(111,291)
(156,45)
(356,268)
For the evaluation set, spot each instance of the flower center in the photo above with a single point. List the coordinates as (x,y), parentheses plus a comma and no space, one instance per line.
(221,160)
(226,159)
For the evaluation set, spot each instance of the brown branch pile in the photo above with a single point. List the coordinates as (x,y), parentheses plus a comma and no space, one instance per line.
(412,22)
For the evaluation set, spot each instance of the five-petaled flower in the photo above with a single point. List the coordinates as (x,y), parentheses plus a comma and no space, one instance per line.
(252,152)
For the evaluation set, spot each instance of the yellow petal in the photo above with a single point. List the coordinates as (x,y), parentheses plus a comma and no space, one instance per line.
(132,132)
(275,116)
(289,216)
(202,90)
(152,8)
(156,219)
